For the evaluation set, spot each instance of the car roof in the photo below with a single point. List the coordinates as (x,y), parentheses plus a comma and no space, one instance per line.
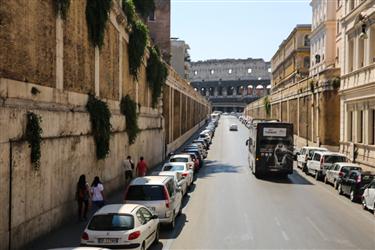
(180,156)
(150,180)
(347,164)
(168,173)
(174,164)
(331,153)
(316,148)
(117,209)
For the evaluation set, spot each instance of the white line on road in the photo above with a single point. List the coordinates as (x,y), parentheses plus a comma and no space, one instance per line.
(285,235)
(316,228)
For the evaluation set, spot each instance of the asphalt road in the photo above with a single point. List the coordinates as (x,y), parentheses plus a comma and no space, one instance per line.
(229,208)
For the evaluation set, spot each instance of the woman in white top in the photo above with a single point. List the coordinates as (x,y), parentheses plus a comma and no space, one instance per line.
(97,194)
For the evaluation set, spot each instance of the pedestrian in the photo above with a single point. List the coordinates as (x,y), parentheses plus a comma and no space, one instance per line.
(97,193)
(141,167)
(128,168)
(82,197)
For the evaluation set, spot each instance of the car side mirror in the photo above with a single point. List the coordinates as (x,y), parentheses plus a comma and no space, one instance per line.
(154,217)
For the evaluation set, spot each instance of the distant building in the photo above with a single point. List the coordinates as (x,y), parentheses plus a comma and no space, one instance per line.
(180,58)
(159,24)
(291,62)
(230,84)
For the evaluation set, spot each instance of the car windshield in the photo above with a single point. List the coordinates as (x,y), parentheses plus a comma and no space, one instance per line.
(179,159)
(111,222)
(334,158)
(311,152)
(173,168)
(145,193)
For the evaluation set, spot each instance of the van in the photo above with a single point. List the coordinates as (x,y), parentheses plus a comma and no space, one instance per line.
(320,161)
(306,154)
(158,193)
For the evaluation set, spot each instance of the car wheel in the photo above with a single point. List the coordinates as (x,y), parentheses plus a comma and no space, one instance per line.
(335,185)
(325,180)
(364,204)
(339,189)
(317,175)
(352,196)
(156,240)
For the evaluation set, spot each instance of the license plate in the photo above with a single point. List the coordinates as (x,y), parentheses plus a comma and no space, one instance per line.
(107,240)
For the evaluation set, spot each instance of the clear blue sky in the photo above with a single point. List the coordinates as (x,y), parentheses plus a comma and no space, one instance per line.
(217,29)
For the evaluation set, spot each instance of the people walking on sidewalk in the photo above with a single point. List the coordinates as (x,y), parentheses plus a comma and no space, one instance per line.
(82,197)
(141,167)
(97,192)
(128,168)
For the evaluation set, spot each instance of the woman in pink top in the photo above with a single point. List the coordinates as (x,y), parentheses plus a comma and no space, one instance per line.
(141,167)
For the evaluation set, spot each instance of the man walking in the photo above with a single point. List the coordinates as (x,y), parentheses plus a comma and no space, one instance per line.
(141,167)
(128,168)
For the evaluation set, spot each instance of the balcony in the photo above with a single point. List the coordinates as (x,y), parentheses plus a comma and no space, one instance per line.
(362,76)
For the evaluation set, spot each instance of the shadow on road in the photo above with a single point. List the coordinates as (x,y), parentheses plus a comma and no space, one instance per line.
(166,233)
(214,167)
(294,178)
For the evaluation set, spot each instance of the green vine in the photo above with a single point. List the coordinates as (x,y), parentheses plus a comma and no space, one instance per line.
(129,9)
(97,13)
(157,73)
(129,109)
(62,7)
(138,39)
(33,136)
(144,7)
(267,106)
(100,125)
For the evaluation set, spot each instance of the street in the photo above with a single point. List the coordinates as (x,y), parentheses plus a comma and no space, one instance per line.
(229,208)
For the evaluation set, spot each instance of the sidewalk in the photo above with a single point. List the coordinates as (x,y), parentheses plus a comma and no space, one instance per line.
(69,234)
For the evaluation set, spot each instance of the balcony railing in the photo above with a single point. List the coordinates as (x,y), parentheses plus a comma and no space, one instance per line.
(358,77)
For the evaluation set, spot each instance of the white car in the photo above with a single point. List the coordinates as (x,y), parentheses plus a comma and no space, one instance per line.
(233,127)
(307,153)
(122,226)
(184,158)
(179,180)
(183,168)
(320,161)
(368,197)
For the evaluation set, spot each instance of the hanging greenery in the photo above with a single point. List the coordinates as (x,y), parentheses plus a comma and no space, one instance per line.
(336,83)
(129,9)
(97,13)
(157,73)
(137,43)
(62,7)
(267,106)
(144,7)
(129,109)
(100,125)
(33,136)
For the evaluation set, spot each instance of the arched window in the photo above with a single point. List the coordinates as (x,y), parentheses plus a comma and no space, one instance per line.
(306,62)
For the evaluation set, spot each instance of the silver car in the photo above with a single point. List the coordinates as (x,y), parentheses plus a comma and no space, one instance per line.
(368,197)
(180,181)
(158,193)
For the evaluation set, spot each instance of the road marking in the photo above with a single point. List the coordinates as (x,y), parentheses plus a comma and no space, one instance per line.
(285,235)
(316,228)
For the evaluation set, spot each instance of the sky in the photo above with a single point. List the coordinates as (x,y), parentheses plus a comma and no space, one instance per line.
(219,29)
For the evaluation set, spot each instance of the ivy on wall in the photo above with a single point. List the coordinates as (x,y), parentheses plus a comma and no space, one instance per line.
(144,7)
(267,106)
(97,13)
(129,9)
(157,73)
(100,125)
(33,136)
(128,108)
(138,39)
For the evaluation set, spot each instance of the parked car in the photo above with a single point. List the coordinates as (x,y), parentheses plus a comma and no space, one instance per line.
(337,171)
(233,127)
(178,179)
(182,168)
(159,193)
(354,183)
(205,144)
(185,158)
(368,197)
(201,149)
(206,137)
(122,226)
(320,161)
(305,154)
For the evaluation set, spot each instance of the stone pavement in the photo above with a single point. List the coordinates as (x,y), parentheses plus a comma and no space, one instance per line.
(69,235)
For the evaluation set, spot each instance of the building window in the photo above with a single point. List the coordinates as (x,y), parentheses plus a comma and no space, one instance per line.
(306,41)
(371,127)
(350,55)
(361,52)
(306,62)
(351,5)
(249,70)
(212,71)
(151,17)
(269,70)
(360,127)
(350,126)
(230,71)
(372,44)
